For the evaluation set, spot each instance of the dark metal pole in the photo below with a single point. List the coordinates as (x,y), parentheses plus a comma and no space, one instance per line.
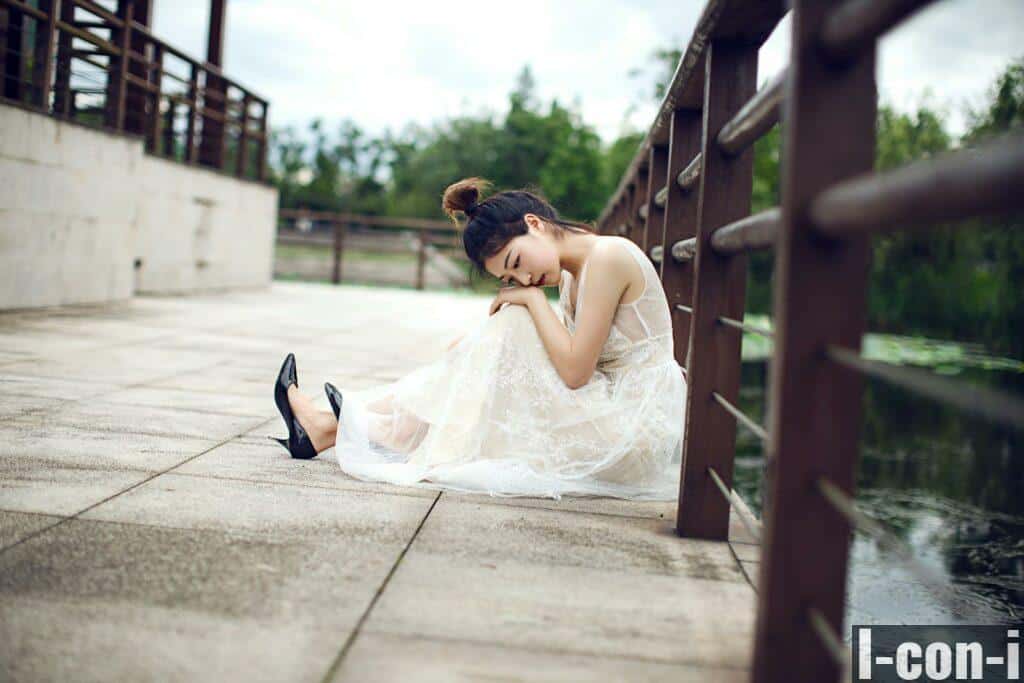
(211,148)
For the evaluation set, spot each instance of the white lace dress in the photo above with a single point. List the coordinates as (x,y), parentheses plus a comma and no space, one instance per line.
(492,415)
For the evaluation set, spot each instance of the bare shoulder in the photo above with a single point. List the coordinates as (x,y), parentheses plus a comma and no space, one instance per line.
(611,251)
(612,257)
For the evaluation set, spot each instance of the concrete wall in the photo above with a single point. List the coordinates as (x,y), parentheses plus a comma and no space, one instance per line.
(79,208)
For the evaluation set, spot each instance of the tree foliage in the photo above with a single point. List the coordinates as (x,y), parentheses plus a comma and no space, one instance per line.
(961,282)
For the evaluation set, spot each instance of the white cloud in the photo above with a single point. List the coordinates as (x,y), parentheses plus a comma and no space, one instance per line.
(386,63)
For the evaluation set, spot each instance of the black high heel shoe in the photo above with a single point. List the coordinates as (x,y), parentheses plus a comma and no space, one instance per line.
(298,442)
(335,398)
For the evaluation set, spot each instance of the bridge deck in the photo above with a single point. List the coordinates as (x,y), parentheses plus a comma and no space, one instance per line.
(149,530)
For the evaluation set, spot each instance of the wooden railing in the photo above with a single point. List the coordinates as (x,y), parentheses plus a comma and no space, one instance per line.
(685,198)
(92,65)
(431,235)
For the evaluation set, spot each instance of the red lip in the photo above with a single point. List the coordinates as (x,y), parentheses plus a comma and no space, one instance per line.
(541,280)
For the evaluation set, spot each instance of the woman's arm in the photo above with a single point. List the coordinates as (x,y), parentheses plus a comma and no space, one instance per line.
(456,341)
(554,335)
(575,356)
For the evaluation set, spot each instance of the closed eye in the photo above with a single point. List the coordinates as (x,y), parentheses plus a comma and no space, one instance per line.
(505,281)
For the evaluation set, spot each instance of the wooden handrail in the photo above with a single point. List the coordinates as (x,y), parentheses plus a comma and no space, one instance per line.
(832,202)
(389,221)
(340,222)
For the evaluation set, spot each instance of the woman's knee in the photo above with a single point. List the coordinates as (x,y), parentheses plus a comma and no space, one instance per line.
(518,323)
(514,312)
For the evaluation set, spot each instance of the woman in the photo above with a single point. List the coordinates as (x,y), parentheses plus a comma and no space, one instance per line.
(583,400)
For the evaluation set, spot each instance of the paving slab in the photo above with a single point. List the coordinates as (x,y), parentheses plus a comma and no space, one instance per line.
(15,387)
(125,419)
(391,657)
(49,489)
(257,459)
(533,578)
(747,552)
(570,609)
(753,572)
(592,504)
(243,405)
(264,508)
(130,364)
(17,526)
(477,533)
(13,405)
(27,443)
(95,601)
(61,469)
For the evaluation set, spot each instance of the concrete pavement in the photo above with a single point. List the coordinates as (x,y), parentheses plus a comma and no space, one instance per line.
(150,531)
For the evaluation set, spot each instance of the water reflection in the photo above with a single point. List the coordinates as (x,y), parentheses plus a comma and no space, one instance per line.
(950,486)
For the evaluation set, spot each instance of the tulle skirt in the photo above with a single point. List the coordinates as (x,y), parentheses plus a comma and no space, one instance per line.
(492,415)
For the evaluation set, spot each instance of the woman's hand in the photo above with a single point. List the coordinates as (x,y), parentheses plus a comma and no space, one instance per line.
(521,296)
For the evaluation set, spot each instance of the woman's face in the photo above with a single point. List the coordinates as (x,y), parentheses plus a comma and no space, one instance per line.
(530,259)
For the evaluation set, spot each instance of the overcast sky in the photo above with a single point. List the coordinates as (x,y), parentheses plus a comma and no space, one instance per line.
(384,63)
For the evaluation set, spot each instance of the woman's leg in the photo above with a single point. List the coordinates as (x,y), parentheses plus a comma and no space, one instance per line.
(321,425)
(387,426)
(396,430)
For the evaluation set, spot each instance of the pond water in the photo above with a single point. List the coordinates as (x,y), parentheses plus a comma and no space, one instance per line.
(949,485)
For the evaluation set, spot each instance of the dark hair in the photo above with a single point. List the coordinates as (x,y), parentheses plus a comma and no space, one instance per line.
(493,222)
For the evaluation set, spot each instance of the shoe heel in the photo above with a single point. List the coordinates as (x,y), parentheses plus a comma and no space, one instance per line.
(335,398)
(304,450)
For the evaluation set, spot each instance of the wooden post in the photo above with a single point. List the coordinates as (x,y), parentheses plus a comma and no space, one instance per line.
(62,97)
(815,405)
(680,223)
(421,259)
(242,158)
(714,355)
(261,172)
(168,129)
(638,199)
(190,126)
(657,162)
(211,147)
(138,118)
(154,131)
(121,82)
(339,248)
(42,65)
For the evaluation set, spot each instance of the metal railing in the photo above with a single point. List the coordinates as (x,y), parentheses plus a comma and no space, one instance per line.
(685,199)
(79,61)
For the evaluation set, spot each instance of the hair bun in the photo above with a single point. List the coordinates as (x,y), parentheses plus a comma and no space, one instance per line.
(463,196)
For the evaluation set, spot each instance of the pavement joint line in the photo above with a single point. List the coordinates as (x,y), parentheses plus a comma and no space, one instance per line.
(624,515)
(113,345)
(322,487)
(113,389)
(123,522)
(350,641)
(743,570)
(203,411)
(560,651)
(133,486)
(164,378)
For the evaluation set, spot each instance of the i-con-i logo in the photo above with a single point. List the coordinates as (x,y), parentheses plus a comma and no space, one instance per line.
(936,653)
